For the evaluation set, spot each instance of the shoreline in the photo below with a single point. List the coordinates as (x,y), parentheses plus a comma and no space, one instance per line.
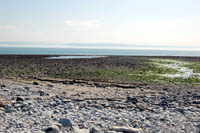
(32,101)
(119,69)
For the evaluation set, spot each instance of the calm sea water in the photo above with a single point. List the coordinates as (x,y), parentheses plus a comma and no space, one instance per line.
(76,51)
(75,57)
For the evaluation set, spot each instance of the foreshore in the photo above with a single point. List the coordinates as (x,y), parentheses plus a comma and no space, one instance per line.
(35,101)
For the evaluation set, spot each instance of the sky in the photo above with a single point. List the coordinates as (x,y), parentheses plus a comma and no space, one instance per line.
(157,22)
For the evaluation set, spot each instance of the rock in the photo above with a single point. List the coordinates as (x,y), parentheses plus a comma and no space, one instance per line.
(3,86)
(2,105)
(65,122)
(19,99)
(41,93)
(27,88)
(132,100)
(56,111)
(165,89)
(19,125)
(27,98)
(94,130)
(141,107)
(196,102)
(49,85)
(110,99)
(163,103)
(198,126)
(25,107)
(110,132)
(195,96)
(30,113)
(52,129)
(77,130)
(9,109)
(66,100)
(64,112)
(182,111)
(126,129)
(35,83)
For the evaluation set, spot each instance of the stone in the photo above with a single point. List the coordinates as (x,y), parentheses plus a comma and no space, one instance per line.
(52,129)
(195,96)
(20,125)
(65,122)
(196,102)
(25,107)
(9,109)
(94,130)
(56,111)
(126,129)
(3,86)
(77,130)
(132,100)
(66,100)
(165,89)
(30,113)
(19,99)
(111,132)
(35,83)
(2,105)
(27,88)
(27,98)
(163,103)
(64,112)
(50,86)
(42,93)
(182,111)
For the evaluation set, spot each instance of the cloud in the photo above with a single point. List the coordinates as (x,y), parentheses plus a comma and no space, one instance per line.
(90,24)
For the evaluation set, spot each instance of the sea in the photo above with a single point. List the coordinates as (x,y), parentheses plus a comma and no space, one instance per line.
(97,51)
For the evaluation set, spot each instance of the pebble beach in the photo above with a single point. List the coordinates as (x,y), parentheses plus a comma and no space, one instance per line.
(39,106)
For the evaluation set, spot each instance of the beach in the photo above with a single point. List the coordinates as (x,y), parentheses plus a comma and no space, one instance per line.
(105,95)
(99,66)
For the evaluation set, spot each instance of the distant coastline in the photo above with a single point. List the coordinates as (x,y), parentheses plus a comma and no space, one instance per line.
(140,46)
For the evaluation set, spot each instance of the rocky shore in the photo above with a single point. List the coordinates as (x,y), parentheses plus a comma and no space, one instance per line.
(32,106)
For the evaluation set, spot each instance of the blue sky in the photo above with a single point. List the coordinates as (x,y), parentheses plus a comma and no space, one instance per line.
(162,22)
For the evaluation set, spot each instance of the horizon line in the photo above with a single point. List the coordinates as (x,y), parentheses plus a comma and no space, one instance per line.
(109,48)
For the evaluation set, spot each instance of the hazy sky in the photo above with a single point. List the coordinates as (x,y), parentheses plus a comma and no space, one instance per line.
(101,21)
